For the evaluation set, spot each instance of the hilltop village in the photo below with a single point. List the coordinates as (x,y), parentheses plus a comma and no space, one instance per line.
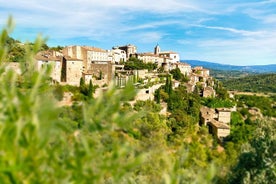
(79,109)
(102,67)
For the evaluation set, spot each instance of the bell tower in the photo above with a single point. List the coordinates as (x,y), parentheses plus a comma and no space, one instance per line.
(156,50)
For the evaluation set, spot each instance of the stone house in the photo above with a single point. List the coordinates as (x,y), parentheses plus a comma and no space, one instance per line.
(224,115)
(209,92)
(53,59)
(185,68)
(129,49)
(172,55)
(217,121)
(117,55)
(201,71)
(72,69)
(218,129)
(87,54)
(150,58)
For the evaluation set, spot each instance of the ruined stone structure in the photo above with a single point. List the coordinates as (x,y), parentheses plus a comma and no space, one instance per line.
(101,71)
(147,94)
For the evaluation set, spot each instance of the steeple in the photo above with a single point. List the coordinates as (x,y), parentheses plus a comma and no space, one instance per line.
(157,49)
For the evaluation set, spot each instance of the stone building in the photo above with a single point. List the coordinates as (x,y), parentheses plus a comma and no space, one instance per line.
(224,115)
(206,115)
(129,49)
(217,121)
(172,55)
(86,54)
(185,68)
(218,129)
(101,70)
(147,94)
(53,59)
(149,58)
(72,69)
(209,92)
(117,55)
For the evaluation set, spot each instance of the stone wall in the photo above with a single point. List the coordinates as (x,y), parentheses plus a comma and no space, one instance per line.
(101,70)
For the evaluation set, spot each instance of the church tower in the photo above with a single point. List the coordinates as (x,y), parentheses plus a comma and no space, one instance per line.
(156,50)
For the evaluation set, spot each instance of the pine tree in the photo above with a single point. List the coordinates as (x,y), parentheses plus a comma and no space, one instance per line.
(90,89)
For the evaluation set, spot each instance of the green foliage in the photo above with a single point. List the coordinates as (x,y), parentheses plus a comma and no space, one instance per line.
(241,131)
(105,140)
(223,75)
(257,162)
(86,91)
(177,75)
(221,92)
(168,85)
(265,104)
(57,48)
(253,83)
(147,105)
(137,64)
(38,146)
(217,102)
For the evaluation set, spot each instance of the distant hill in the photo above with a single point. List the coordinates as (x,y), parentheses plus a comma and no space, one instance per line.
(215,66)
(254,83)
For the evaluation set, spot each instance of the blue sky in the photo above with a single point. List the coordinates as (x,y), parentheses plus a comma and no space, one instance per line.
(222,31)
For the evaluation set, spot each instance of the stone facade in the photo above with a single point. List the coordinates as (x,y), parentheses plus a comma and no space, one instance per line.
(219,129)
(129,49)
(53,59)
(101,70)
(147,94)
(224,115)
(150,58)
(209,92)
(73,71)
(117,55)
(172,55)
(217,121)
(185,68)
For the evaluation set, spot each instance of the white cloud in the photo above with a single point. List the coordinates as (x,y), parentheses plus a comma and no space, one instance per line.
(242,51)
(144,21)
(237,31)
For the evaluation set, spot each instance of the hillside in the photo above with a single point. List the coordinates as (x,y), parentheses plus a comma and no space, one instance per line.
(223,75)
(253,83)
(216,66)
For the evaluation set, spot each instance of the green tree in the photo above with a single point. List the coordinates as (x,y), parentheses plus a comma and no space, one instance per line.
(257,161)
(176,73)
(90,89)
